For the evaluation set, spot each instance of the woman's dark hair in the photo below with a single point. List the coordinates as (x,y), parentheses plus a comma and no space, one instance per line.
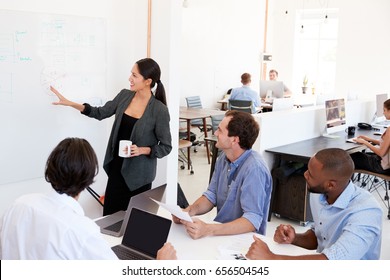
(386,104)
(149,69)
(244,126)
(71,166)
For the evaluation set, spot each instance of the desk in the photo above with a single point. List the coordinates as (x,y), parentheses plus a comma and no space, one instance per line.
(223,103)
(189,114)
(207,248)
(289,196)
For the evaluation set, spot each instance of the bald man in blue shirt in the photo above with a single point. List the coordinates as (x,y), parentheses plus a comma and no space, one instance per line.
(347,219)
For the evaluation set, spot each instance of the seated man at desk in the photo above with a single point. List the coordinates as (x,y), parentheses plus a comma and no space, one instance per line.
(273,76)
(347,219)
(53,225)
(246,93)
(240,187)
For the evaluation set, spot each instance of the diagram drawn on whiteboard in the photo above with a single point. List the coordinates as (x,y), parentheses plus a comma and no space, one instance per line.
(39,50)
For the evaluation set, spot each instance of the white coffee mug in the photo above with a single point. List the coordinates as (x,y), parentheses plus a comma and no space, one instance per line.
(122,148)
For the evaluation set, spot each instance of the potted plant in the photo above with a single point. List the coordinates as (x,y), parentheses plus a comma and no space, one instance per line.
(304,83)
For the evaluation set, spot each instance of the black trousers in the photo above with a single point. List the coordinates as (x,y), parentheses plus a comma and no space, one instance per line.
(117,195)
(369,161)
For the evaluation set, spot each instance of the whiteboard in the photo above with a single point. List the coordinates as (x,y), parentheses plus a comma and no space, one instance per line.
(36,51)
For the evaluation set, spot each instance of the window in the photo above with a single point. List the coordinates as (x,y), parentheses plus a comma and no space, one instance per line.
(315,49)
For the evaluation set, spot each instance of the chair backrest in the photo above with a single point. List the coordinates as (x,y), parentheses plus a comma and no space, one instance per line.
(195,102)
(215,120)
(241,105)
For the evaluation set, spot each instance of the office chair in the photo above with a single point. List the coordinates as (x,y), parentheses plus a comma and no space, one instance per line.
(214,151)
(182,201)
(195,102)
(215,120)
(374,182)
(241,105)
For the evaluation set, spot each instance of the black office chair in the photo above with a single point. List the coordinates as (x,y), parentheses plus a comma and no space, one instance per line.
(240,105)
(372,181)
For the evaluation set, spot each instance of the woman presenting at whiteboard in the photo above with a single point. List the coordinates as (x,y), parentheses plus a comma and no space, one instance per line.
(140,117)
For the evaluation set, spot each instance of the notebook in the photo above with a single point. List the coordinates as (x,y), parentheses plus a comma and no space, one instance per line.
(115,224)
(145,234)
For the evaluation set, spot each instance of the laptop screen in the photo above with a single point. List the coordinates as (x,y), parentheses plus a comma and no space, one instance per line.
(146,232)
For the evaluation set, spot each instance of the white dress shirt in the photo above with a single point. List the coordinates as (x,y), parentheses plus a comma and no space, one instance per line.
(50,226)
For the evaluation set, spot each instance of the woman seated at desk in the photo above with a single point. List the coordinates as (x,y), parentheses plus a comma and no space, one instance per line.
(378,160)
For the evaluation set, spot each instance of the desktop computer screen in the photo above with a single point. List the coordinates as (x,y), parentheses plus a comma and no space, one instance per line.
(380,99)
(276,87)
(335,115)
(281,104)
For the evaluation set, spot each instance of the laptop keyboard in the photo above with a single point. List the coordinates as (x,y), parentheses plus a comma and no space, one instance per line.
(125,254)
(115,227)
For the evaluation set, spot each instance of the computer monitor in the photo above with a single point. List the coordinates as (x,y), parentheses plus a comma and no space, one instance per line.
(335,115)
(281,104)
(276,87)
(380,99)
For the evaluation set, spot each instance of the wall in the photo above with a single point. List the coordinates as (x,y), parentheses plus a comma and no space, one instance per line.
(221,39)
(126,43)
(362,55)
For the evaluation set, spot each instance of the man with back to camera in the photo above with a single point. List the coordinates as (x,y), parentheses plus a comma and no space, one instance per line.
(273,76)
(241,184)
(347,219)
(53,225)
(246,93)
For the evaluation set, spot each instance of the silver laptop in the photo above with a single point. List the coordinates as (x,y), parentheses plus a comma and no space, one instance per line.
(145,234)
(115,224)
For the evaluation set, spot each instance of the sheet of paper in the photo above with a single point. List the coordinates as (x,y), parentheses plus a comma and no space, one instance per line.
(235,249)
(174,210)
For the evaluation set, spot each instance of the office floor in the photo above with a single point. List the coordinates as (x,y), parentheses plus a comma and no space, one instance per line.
(194,184)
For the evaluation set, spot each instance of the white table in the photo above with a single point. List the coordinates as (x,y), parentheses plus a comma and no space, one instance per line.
(209,248)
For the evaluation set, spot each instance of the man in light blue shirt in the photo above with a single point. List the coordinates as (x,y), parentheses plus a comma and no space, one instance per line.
(246,93)
(347,219)
(241,184)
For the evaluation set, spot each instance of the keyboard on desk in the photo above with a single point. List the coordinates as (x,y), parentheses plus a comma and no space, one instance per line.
(126,254)
(115,227)
(382,123)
